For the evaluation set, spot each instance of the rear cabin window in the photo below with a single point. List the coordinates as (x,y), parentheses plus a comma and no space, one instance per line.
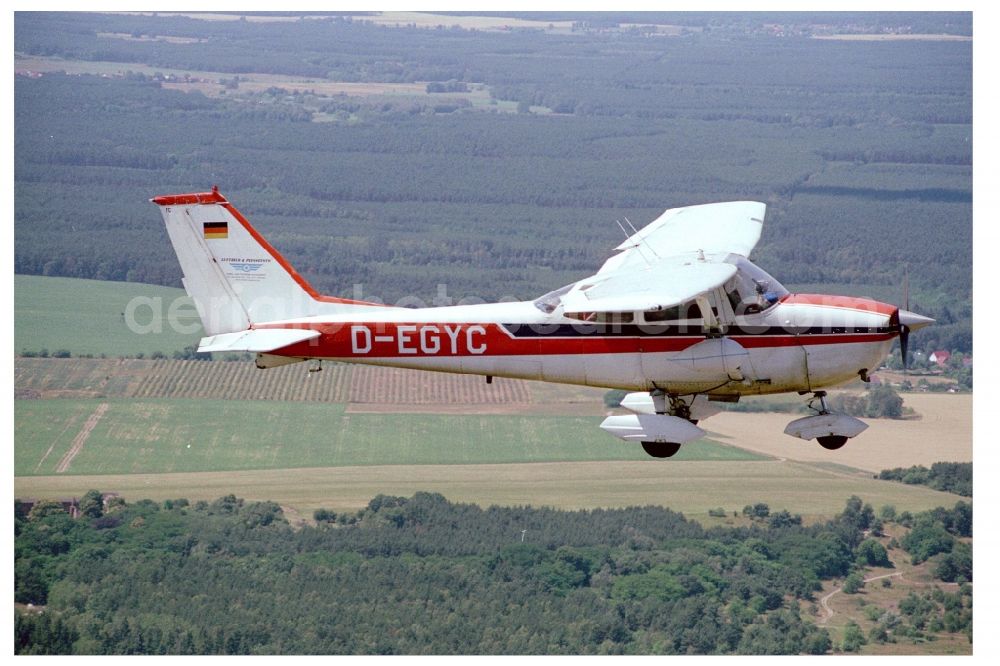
(676,313)
(603,317)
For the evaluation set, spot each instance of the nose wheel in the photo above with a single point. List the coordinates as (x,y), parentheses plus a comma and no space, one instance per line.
(831,430)
(832,442)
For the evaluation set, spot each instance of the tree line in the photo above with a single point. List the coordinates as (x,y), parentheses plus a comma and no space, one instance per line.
(949,477)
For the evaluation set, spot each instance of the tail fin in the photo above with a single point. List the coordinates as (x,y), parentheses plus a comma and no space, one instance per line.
(235,278)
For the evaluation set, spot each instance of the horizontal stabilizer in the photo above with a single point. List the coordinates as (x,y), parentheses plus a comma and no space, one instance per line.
(255,340)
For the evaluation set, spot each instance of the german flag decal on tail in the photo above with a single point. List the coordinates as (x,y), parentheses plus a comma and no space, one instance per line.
(216,230)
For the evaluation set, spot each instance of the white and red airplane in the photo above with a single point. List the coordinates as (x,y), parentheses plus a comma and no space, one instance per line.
(679,315)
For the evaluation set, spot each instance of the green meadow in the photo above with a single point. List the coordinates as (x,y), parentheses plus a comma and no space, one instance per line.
(93,317)
(175,435)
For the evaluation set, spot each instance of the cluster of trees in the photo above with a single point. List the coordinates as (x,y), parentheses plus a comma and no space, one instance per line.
(951,477)
(877,402)
(420,575)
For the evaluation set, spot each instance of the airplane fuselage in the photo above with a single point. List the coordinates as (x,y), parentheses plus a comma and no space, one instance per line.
(802,343)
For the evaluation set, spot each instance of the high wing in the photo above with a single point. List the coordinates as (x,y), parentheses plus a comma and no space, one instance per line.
(731,227)
(673,259)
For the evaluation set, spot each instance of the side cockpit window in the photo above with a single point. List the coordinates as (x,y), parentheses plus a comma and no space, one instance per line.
(751,290)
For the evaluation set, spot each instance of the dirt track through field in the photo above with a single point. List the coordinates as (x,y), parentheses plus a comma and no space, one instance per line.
(81,438)
(824,602)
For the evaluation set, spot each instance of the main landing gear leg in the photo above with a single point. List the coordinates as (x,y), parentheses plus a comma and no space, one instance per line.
(670,405)
(829,442)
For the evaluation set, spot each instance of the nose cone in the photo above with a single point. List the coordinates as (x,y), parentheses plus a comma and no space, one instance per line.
(913,321)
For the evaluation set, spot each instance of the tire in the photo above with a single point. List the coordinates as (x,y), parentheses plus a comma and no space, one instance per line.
(832,442)
(661,449)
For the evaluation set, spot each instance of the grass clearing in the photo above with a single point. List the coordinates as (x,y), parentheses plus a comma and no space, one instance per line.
(91,317)
(903,578)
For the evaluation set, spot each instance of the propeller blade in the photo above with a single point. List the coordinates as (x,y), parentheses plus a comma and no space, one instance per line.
(904,343)
(906,289)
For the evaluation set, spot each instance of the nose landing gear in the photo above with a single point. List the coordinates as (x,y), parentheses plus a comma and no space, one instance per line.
(661,449)
(831,430)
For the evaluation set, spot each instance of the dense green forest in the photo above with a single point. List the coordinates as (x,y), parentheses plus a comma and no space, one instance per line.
(862,149)
(423,575)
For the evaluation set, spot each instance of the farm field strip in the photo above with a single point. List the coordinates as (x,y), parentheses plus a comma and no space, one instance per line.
(175,435)
(920,37)
(692,487)
(210,83)
(241,380)
(943,433)
(391,386)
(390,19)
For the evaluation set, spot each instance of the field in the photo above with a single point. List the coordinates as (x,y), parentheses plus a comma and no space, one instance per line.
(168,435)
(211,83)
(365,387)
(691,487)
(895,38)
(942,432)
(92,317)
(334,439)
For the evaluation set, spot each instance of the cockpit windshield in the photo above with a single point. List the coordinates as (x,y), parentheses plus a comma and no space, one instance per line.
(550,301)
(751,290)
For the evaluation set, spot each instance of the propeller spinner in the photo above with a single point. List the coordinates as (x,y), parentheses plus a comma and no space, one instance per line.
(909,321)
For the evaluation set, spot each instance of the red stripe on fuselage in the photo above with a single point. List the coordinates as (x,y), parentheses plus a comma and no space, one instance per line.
(846,302)
(417,340)
(809,339)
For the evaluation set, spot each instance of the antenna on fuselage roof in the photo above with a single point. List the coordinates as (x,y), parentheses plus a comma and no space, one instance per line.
(638,243)
(627,234)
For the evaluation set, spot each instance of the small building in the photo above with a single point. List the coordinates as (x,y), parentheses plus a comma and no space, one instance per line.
(940,357)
